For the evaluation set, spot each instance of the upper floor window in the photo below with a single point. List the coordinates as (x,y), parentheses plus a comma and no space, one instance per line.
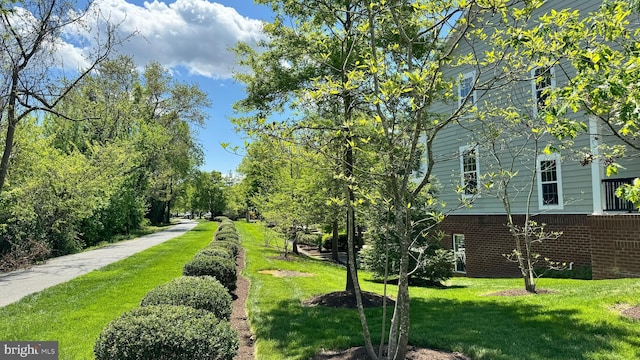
(466,88)
(469,169)
(549,182)
(542,80)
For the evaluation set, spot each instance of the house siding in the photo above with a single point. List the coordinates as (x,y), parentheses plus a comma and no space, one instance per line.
(607,242)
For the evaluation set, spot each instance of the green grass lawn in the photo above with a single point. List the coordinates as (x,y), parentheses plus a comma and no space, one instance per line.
(74,313)
(579,321)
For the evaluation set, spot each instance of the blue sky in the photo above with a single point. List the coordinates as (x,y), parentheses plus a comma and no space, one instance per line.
(191,38)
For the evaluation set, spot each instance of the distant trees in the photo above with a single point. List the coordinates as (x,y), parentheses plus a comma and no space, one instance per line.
(112,156)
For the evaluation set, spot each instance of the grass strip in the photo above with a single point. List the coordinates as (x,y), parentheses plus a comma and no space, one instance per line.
(74,313)
(580,320)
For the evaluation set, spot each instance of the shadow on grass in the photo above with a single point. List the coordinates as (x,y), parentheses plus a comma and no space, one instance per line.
(418,282)
(479,329)
(501,331)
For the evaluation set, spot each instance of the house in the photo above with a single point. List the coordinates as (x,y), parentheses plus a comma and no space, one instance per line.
(563,185)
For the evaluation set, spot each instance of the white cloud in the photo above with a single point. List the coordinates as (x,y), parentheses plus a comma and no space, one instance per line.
(188,34)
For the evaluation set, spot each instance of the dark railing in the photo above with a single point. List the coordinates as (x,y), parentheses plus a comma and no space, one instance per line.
(612,202)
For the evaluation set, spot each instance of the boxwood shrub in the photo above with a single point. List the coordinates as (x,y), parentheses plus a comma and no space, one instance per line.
(226,235)
(204,292)
(221,251)
(230,245)
(166,332)
(221,268)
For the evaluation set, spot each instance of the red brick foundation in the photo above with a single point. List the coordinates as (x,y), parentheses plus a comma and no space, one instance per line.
(609,244)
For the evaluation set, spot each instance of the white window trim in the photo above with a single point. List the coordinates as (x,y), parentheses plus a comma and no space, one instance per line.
(534,96)
(541,204)
(468,75)
(463,149)
(455,253)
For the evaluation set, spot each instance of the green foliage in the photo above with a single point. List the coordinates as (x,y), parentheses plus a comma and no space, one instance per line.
(231,246)
(221,268)
(214,249)
(204,293)
(227,236)
(427,258)
(327,241)
(309,239)
(630,192)
(166,332)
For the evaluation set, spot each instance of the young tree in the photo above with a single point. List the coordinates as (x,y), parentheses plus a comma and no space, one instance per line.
(32,78)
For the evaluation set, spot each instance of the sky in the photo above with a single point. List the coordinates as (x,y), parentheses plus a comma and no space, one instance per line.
(191,38)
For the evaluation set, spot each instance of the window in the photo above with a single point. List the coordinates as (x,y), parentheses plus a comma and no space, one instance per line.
(469,169)
(549,182)
(543,79)
(459,253)
(465,88)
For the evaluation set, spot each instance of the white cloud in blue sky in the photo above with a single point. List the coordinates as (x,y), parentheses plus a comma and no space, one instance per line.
(194,35)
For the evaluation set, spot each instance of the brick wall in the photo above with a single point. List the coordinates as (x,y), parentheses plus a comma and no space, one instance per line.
(616,246)
(610,244)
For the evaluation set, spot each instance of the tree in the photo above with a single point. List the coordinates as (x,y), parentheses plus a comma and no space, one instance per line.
(29,83)
(209,194)
(322,53)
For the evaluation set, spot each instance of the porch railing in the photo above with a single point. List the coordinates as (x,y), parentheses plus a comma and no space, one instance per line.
(612,202)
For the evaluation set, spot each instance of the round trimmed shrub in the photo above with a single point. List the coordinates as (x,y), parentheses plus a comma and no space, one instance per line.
(204,292)
(220,268)
(232,246)
(227,224)
(212,250)
(226,235)
(166,332)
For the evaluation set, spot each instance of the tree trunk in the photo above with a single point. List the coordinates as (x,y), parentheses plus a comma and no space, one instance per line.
(12,122)
(334,240)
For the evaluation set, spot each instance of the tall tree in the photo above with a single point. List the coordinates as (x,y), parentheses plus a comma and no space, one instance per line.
(32,78)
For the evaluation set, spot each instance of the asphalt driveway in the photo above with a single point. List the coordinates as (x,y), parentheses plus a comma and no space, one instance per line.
(17,284)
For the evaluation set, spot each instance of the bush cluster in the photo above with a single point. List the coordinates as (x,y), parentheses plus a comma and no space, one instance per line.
(205,293)
(167,332)
(186,318)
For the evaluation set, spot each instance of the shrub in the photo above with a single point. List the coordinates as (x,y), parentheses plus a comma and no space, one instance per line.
(232,246)
(226,235)
(309,239)
(205,293)
(166,332)
(212,250)
(436,263)
(222,269)
(327,241)
(221,218)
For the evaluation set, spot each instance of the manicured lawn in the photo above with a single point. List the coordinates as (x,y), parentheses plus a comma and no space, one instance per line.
(579,321)
(74,313)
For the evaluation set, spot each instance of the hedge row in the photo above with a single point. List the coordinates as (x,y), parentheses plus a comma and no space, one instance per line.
(186,318)
(218,258)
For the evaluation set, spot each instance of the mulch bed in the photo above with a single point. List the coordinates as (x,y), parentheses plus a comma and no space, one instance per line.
(631,312)
(413,353)
(347,300)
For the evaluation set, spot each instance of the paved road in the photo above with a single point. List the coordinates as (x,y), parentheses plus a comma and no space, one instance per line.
(17,284)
